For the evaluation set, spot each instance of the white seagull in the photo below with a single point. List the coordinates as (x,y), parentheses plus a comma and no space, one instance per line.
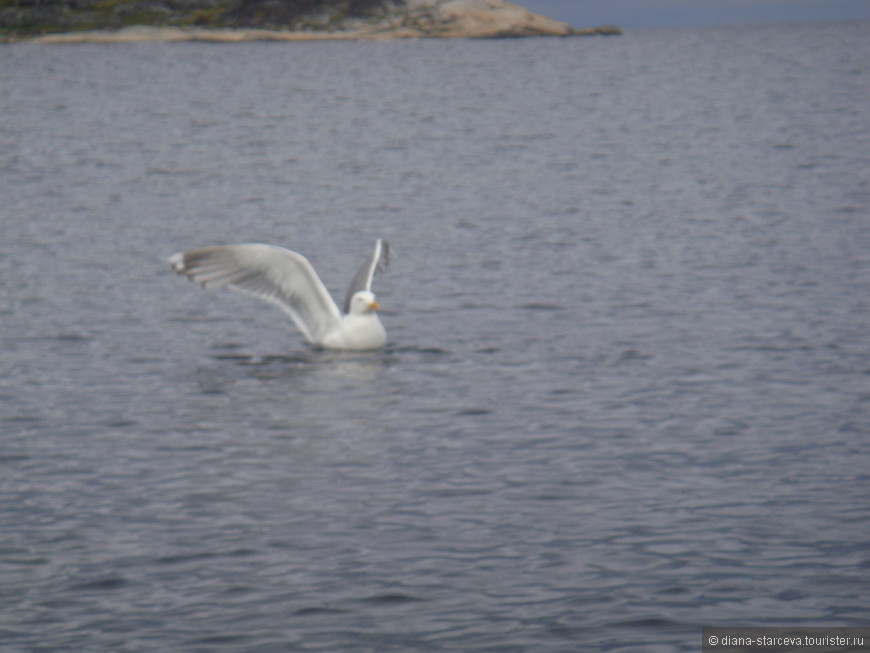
(287,279)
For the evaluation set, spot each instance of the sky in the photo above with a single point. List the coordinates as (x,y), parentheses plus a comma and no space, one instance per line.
(660,13)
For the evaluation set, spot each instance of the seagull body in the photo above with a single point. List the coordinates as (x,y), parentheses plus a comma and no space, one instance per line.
(287,279)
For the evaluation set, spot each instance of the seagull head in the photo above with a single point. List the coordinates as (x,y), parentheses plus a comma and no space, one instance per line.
(363,303)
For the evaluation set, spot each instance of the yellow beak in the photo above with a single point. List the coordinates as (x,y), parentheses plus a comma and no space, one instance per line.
(374,306)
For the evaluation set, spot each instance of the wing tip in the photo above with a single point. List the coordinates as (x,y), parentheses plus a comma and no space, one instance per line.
(176,262)
(385,254)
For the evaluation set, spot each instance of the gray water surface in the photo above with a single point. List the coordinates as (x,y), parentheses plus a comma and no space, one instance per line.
(626,391)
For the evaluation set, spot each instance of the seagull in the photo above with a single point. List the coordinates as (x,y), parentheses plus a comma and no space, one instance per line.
(287,279)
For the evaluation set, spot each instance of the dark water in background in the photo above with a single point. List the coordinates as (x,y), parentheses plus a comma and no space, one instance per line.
(627,388)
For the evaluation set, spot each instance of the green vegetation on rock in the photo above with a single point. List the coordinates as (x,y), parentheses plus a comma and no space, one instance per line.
(27,18)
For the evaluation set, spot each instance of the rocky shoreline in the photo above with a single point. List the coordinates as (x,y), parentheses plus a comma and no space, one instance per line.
(378,20)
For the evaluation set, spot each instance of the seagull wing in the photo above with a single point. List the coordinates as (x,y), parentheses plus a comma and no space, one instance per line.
(377,262)
(273,274)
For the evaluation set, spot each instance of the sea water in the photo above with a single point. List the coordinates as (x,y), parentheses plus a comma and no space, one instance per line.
(626,387)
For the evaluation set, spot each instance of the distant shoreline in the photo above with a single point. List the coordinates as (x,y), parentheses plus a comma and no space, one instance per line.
(233,21)
(145,33)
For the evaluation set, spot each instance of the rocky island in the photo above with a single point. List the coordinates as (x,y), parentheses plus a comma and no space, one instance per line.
(79,21)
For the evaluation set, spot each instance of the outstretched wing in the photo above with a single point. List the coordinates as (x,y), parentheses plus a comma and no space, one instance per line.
(377,262)
(273,274)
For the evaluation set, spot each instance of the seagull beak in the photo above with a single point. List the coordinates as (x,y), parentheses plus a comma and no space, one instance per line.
(374,306)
